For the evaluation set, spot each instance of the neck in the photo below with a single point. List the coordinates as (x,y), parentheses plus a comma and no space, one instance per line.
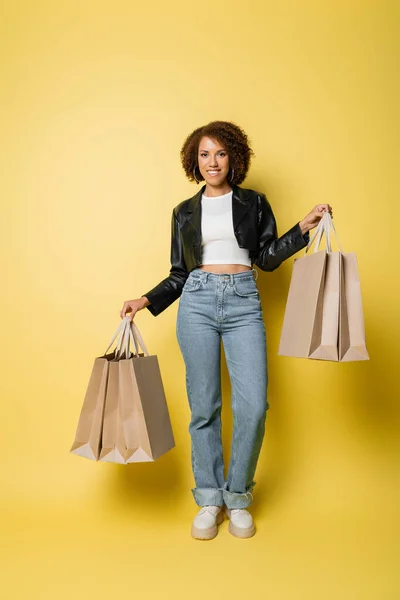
(217,190)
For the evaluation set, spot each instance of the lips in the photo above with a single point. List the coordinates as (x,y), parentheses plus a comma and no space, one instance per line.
(213,172)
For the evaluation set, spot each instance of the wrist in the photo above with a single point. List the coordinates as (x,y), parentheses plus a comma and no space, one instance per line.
(145,301)
(304,227)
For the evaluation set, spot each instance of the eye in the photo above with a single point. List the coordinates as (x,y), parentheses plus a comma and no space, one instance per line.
(220,153)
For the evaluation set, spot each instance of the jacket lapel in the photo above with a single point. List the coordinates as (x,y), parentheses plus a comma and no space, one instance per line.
(241,202)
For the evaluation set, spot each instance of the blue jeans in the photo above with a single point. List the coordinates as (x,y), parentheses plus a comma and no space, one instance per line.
(214,307)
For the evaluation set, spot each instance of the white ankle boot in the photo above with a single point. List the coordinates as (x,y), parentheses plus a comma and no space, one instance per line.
(205,524)
(240,522)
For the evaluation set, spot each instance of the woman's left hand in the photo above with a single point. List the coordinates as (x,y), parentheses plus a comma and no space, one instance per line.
(314,217)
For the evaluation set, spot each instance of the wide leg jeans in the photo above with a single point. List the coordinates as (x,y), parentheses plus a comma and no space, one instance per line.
(215,308)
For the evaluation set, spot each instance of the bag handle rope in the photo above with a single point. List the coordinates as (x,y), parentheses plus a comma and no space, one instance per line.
(324,227)
(127,331)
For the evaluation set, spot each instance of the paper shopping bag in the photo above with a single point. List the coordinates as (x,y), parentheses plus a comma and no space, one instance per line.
(145,415)
(136,425)
(318,323)
(88,434)
(113,443)
(352,339)
(326,326)
(113,440)
(311,321)
(301,331)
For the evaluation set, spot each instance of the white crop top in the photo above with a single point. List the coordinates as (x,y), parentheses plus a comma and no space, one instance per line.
(219,243)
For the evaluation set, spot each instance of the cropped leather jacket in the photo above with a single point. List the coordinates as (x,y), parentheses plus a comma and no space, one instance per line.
(254,226)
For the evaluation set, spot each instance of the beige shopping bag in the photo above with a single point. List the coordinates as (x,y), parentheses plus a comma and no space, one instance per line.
(324,317)
(113,445)
(352,339)
(145,415)
(302,324)
(113,441)
(352,344)
(136,426)
(88,434)
(327,317)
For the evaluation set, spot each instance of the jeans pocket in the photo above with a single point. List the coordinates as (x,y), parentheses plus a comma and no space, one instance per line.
(246,288)
(192,284)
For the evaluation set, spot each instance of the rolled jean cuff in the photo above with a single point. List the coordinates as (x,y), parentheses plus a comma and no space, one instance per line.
(208,496)
(236,499)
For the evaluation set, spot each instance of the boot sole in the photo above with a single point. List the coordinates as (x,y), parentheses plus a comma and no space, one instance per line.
(240,532)
(210,532)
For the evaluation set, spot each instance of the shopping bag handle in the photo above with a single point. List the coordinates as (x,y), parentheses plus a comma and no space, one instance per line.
(139,338)
(123,332)
(317,234)
(120,330)
(324,227)
(132,333)
(330,225)
(125,346)
(127,330)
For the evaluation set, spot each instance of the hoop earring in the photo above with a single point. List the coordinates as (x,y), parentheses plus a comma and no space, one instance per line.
(233,171)
(194,175)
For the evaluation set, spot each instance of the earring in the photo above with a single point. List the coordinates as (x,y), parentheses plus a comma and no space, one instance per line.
(233,171)
(194,175)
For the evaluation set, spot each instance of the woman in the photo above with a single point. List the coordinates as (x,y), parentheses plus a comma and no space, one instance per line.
(216,237)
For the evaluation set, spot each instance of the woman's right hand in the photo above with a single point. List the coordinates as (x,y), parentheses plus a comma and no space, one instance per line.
(131,307)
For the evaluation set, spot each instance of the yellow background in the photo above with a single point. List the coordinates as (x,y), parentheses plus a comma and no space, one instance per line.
(97,99)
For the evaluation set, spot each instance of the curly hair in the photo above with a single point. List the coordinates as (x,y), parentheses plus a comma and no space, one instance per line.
(231,136)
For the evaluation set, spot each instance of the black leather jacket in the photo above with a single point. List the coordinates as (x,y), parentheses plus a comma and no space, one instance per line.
(254,227)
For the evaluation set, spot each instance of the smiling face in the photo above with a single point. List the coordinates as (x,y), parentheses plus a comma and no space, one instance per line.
(213,162)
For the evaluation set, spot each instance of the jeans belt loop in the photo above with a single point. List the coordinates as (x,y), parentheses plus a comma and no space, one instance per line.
(255,273)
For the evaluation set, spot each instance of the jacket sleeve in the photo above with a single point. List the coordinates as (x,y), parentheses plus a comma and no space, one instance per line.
(170,288)
(273,250)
